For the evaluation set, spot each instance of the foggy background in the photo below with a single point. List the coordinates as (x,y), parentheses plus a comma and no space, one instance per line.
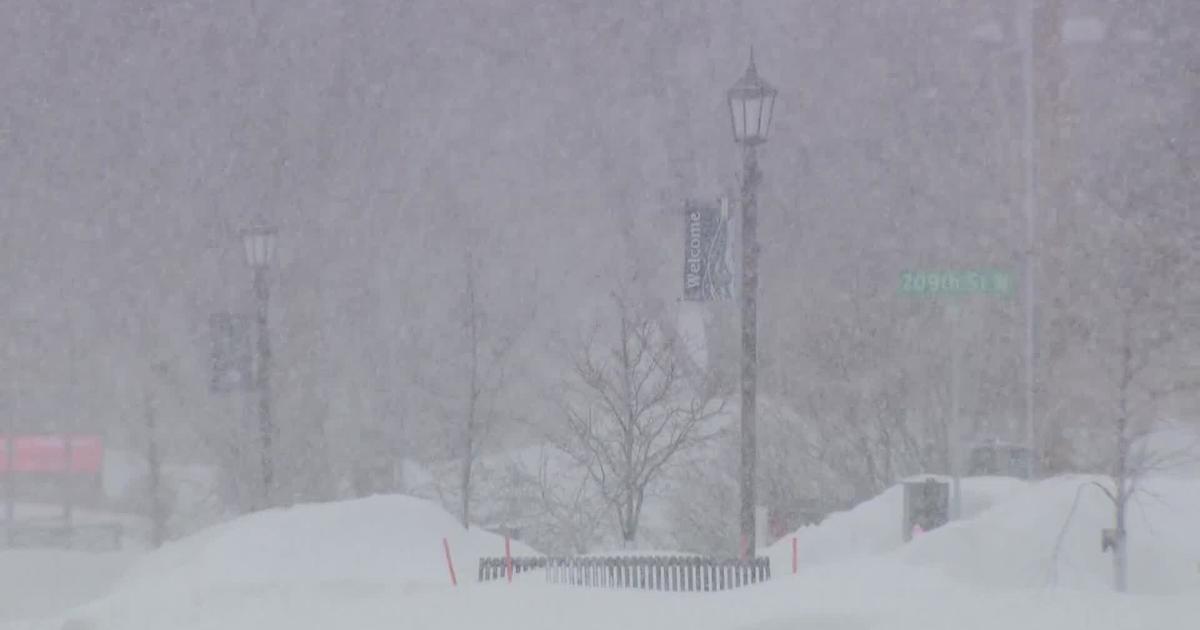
(543,152)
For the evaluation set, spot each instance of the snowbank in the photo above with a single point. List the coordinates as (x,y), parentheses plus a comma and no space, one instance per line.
(377,564)
(360,548)
(36,583)
(1050,536)
(1016,535)
(873,527)
(378,539)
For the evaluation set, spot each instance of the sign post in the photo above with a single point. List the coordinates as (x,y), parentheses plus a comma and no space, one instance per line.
(10,487)
(957,283)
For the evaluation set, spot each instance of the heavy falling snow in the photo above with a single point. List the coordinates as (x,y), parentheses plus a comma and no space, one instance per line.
(646,314)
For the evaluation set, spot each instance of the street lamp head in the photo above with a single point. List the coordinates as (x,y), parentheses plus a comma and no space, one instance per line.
(751,104)
(259,242)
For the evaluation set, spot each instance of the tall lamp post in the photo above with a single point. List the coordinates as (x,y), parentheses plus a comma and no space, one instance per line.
(751,103)
(259,243)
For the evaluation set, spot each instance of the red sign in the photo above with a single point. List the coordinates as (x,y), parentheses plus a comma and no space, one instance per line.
(48,454)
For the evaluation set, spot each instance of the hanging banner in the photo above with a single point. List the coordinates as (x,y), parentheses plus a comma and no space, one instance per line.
(707,264)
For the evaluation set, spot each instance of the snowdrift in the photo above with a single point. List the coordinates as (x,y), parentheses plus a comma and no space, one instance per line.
(377,563)
(378,539)
(355,549)
(1015,535)
(1050,536)
(36,583)
(873,527)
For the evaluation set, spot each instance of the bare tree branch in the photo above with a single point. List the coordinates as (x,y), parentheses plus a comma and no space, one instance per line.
(629,417)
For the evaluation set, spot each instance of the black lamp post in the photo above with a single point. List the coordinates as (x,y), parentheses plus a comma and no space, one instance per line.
(259,242)
(751,104)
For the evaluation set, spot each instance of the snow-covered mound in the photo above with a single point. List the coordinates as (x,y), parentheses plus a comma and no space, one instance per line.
(874,527)
(377,564)
(354,548)
(381,538)
(1050,536)
(1015,535)
(40,582)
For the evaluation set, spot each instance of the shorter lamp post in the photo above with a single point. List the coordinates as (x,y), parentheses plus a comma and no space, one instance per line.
(259,243)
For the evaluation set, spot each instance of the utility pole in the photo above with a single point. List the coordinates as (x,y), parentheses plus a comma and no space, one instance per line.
(10,477)
(158,511)
(24,329)
(1030,173)
(956,430)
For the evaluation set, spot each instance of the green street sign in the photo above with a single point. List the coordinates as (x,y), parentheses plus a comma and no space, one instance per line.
(956,282)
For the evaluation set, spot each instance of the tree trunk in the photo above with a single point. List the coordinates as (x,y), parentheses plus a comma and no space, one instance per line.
(629,526)
(465,481)
(473,395)
(1122,472)
(1120,550)
(154,489)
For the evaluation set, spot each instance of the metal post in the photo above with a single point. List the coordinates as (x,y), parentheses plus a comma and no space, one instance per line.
(265,426)
(68,507)
(10,478)
(750,179)
(1030,155)
(956,432)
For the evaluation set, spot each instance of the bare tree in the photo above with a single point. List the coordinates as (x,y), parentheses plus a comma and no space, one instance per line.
(1134,460)
(629,412)
(468,397)
(863,417)
(704,499)
(571,511)
(1151,320)
(476,420)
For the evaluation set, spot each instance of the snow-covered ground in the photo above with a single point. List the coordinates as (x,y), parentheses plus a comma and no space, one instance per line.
(41,583)
(378,563)
(1016,535)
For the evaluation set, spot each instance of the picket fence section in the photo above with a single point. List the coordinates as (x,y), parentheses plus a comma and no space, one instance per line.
(657,573)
